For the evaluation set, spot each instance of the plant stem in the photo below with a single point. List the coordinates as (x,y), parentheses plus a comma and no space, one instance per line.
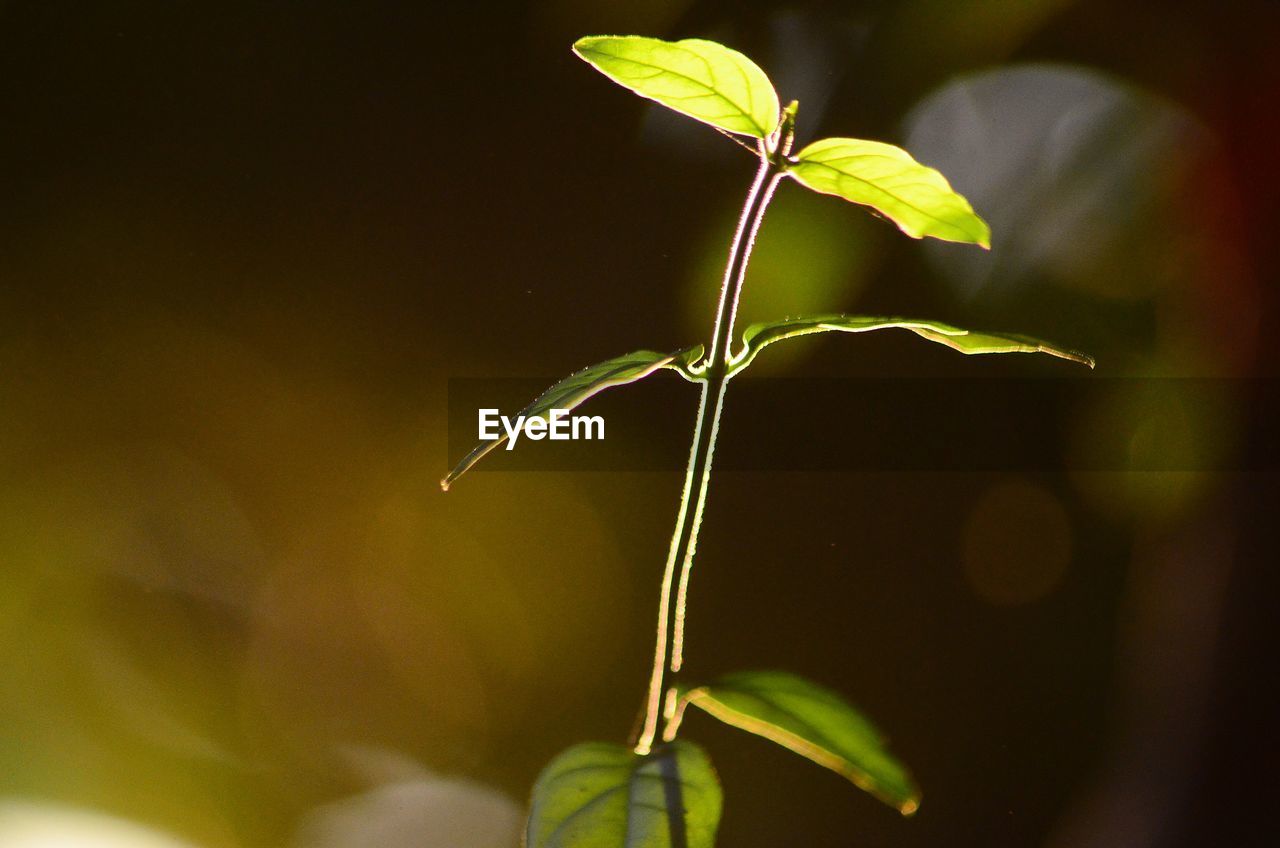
(684,541)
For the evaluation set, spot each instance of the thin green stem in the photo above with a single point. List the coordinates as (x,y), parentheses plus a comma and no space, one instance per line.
(668,654)
(717,373)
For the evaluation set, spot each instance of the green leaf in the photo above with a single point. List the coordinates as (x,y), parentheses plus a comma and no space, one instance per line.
(701,79)
(597,795)
(582,385)
(815,723)
(758,336)
(915,197)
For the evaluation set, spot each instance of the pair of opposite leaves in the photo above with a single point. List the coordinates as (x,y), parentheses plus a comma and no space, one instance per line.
(723,88)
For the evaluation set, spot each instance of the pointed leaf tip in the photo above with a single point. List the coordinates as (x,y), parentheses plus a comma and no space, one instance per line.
(914,196)
(702,79)
(815,723)
(759,336)
(581,386)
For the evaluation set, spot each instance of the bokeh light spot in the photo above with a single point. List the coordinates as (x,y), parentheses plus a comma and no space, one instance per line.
(27,824)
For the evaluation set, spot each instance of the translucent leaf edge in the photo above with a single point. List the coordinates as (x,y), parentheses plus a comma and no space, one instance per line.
(704,698)
(754,338)
(981,236)
(681,361)
(762,131)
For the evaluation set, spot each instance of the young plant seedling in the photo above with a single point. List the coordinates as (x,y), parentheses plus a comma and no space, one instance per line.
(661,791)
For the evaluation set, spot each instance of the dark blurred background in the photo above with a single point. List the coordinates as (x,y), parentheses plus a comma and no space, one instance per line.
(244,247)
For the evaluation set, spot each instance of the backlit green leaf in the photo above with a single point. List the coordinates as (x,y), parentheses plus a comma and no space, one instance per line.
(597,795)
(701,79)
(815,723)
(582,385)
(758,336)
(915,197)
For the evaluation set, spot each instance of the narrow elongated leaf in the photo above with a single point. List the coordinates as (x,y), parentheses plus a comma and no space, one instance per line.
(758,336)
(582,385)
(701,79)
(915,197)
(815,723)
(597,795)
